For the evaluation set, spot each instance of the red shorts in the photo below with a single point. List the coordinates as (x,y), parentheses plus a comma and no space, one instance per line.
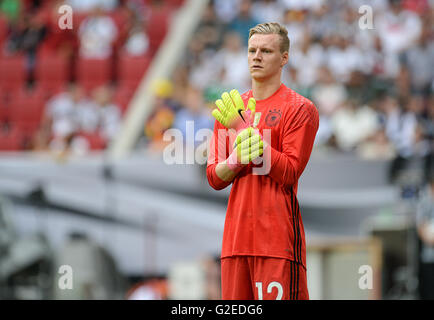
(262,278)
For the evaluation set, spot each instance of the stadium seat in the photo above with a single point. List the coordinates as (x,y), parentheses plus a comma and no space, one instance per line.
(78,18)
(92,73)
(122,97)
(130,69)
(13,72)
(173,3)
(3,29)
(176,3)
(52,71)
(4,107)
(157,27)
(96,142)
(11,140)
(4,113)
(27,109)
(47,92)
(120,19)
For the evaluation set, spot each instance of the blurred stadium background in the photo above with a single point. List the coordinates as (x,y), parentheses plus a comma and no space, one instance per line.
(83,113)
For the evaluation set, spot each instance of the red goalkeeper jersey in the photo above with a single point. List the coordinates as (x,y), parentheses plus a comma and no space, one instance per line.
(263,215)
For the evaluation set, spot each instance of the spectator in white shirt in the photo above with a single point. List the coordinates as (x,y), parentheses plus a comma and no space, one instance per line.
(328,94)
(397,28)
(61,112)
(401,126)
(267,11)
(377,146)
(137,43)
(108,114)
(344,58)
(62,120)
(295,23)
(419,60)
(226,10)
(353,124)
(301,4)
(308,59)
(231,64)
(97,34)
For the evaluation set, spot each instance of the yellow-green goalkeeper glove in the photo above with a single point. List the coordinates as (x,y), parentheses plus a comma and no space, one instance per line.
(248,146)
(232,113)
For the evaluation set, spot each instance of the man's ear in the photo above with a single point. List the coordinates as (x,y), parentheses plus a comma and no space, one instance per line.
(285,58)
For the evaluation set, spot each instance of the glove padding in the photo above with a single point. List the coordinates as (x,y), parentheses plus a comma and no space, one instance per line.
(248,146)
(232,113)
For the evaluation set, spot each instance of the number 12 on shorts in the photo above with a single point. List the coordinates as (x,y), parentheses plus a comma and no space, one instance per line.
(271,285)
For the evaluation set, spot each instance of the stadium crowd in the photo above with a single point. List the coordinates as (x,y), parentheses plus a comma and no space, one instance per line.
(373,87)
(65,81)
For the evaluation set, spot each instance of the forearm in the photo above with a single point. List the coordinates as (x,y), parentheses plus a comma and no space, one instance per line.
(220,175)
(283,170)
(218,172)
(288,165)
(225,173)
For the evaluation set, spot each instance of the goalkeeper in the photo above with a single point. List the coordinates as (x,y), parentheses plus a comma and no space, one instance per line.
(261,144)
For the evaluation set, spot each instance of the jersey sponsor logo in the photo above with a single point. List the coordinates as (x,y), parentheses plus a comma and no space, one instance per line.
(273,117)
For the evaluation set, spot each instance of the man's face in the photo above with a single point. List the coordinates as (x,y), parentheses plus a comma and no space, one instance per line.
(264,56)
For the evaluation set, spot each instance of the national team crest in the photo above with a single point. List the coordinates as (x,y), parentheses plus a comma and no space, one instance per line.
(273,117)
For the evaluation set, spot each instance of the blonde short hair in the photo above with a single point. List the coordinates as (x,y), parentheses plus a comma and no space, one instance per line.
(272,28)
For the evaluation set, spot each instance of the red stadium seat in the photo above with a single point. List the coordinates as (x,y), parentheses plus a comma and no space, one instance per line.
(78,18)
(4,108)
(119,18)
(13,73)
(52,71)
(11,140)
(27,109)
(130,69)
(5,111)
(47,92)
(3,28)
(96,142)
(173,3)
(92,73)
(157,27)
(176,3)
(122,97)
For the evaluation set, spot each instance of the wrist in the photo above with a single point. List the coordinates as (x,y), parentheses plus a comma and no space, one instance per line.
(232,161)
